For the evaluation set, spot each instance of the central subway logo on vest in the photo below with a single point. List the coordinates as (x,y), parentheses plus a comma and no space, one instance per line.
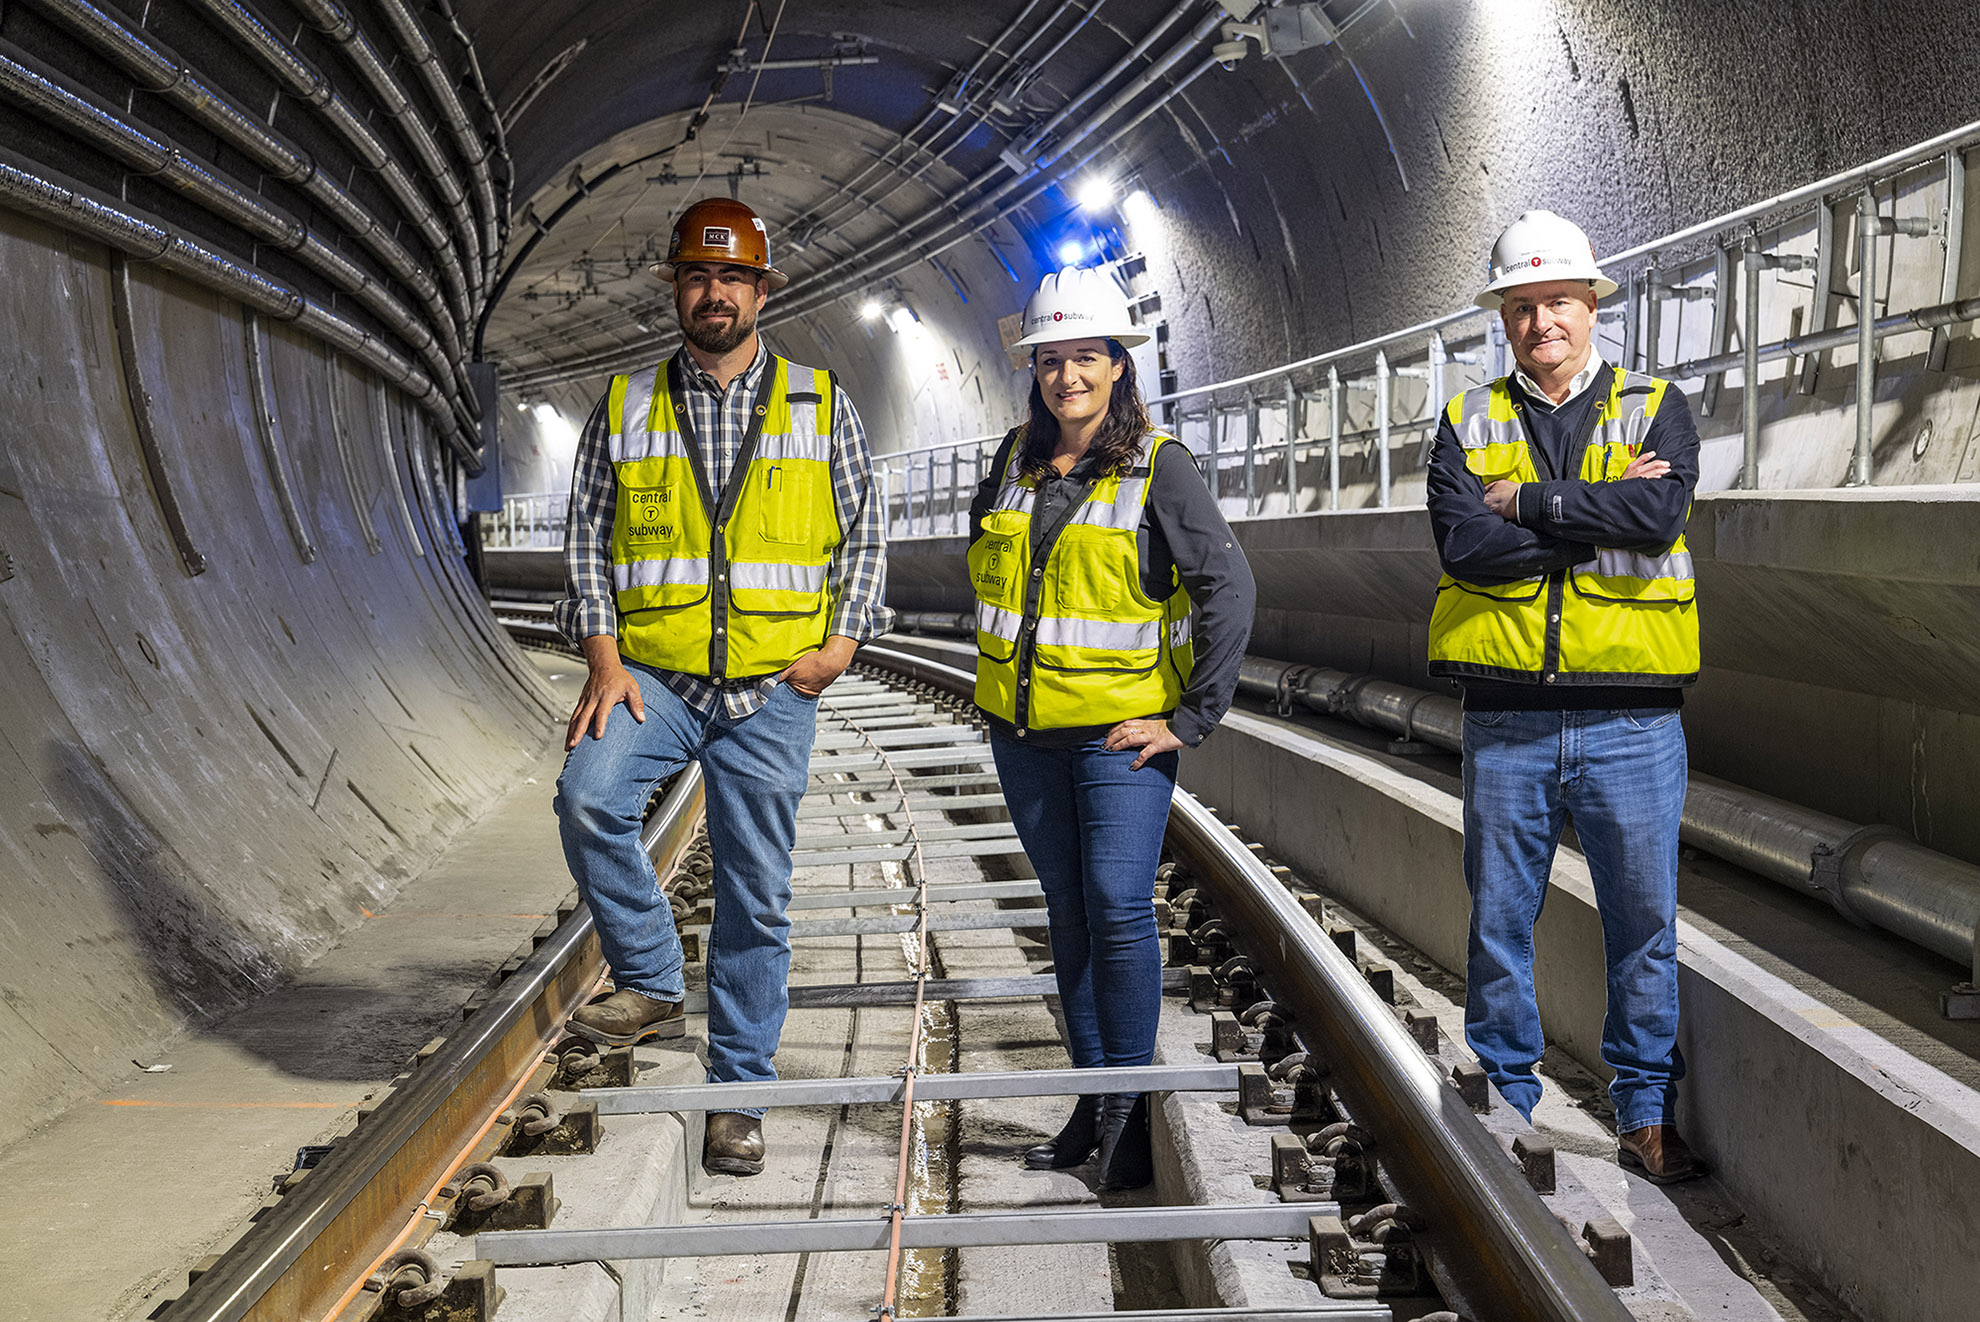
(990,574)
(652,516)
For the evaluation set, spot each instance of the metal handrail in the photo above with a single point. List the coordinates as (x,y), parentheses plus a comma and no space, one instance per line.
(1943,148)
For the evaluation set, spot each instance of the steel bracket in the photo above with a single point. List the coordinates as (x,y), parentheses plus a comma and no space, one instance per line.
(576,1134)
(471,1296)
(577,1069)
(530,1206)
(1608,1247)
(1231,1041)
(1472,1084)
(1260,1102)
(1297,1176)
(1537,1160)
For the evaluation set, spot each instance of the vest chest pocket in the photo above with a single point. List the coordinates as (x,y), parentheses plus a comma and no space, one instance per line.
(998,554)
(786,494)
(652,517)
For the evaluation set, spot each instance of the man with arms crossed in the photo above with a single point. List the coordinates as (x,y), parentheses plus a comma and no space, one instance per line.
(724,558)
(1558,497)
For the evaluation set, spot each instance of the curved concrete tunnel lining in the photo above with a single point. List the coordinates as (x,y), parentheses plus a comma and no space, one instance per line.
(395,669)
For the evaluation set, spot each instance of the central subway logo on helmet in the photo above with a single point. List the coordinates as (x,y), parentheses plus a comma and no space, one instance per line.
(1087,298)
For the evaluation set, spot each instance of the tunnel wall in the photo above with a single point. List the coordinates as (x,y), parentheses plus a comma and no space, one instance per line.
(210,776)
(1840,632)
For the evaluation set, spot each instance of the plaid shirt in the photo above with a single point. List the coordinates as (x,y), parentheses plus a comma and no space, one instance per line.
(857,579)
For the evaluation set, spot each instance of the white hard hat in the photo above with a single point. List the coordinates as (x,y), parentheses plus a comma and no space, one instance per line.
(1079,304)
(1538,247)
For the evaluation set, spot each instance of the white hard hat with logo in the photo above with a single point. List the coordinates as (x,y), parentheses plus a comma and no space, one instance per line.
(1537,248)
(1079,304)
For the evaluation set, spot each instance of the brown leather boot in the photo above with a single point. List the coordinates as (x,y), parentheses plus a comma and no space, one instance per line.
(732,1144)
(627,1017)
(1659,1154)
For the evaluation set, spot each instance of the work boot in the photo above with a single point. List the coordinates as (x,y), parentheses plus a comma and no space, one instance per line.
(1074,1144)
(732,1144)
(1126,1161)
(627,1017)
(1659,1154)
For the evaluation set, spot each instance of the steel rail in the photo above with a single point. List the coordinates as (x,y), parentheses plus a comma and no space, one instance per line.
(306,1253)
(1516,1258)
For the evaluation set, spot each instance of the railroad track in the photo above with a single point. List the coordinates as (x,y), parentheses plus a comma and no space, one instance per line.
(1363,1114)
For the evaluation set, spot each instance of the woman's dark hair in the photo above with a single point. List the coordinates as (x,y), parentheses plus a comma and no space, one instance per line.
(1117,444)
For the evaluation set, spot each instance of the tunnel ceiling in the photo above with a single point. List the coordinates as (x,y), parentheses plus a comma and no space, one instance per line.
(895,109)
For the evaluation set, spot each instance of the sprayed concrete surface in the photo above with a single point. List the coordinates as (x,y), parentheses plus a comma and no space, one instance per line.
(211,777)
(159,1169)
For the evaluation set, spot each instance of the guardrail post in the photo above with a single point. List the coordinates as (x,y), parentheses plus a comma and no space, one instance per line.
(1866,335)
(1632,297)
(1823,298)
(1749,405)
(1954,221)
(1382,428)
(1292,450)
(1250,456)
(1216,427)
(1653,318)
(1722,278)
(1438,358)
(1333,439)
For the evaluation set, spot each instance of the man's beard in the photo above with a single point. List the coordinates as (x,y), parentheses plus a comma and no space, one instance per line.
(714,338)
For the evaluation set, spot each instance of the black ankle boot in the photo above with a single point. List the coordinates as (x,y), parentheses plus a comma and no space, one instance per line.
(1126,1160)
(1074,1144)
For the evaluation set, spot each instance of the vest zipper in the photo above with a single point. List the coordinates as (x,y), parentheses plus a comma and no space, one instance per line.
(719,512)
(1034,589)
(1550,659)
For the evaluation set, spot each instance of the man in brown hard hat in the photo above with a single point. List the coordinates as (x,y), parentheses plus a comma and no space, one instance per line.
(724,558)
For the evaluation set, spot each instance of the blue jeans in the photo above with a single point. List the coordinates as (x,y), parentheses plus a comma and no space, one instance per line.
(1621,776)
(754,771)
(1093,831)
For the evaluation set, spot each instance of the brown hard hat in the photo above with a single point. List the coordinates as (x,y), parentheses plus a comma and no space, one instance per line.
(717,229)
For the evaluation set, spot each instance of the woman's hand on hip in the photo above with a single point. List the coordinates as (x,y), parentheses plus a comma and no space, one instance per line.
(1152,737)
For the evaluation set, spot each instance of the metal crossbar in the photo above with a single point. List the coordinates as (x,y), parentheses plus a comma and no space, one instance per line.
(809,858)
(847,995)
(1338,1310)
(928,1088)
(892,924)
(865,1234)
(887,808)
(891,895)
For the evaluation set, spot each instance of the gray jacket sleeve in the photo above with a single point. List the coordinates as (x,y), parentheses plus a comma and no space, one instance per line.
(1184,518)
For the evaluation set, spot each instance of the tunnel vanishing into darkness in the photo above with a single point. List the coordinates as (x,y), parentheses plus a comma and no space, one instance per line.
(252,252)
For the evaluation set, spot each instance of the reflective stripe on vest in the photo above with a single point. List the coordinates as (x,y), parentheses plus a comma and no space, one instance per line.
(1619,618)
(749,596)
(1074,641)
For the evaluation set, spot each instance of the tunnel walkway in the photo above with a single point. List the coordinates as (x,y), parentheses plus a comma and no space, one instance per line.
(128,1188)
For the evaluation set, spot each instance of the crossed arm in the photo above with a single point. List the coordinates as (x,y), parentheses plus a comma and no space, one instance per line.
(1516,530)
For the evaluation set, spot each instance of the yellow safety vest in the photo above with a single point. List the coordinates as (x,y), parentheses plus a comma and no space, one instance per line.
(735,588)
(1620,618)
(1066,637)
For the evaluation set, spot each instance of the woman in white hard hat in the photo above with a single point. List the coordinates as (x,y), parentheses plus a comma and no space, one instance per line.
(1113,608)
